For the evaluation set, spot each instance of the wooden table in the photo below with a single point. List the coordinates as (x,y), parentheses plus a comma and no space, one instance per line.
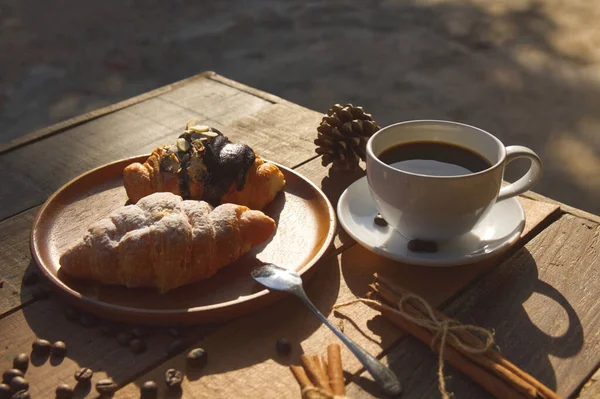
(541,298)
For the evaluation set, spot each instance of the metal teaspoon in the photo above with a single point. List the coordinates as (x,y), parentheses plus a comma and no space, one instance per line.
(278,278)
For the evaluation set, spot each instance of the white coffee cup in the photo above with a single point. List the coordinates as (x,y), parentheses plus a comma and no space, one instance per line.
(439,208)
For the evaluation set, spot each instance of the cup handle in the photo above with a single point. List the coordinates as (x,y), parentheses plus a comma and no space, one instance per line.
(531,177)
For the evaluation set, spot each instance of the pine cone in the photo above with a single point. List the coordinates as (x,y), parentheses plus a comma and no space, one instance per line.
(343,135)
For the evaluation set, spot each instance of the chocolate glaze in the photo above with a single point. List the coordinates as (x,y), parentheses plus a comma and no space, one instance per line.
(226,163)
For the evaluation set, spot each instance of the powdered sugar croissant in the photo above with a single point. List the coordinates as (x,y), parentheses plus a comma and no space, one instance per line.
(205,165)
(165,242)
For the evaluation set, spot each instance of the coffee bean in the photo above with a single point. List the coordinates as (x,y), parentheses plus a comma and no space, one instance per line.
(174,332)
(31,278)
(41,347)
(140,332)
(176,347)
(124,338)
(197,358)
(106,386)
(21,395)
(19,384)
(84,375)
(137,346)
(63,391)
(149,390)
(59,349)
(422,246)
(21,362)
(4,391)
(380,221)
(173,378)
(71,314)
(88,320)
(8,375)
(283,347)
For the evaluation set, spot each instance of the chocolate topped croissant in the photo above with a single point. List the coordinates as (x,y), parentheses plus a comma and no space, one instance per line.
(203,164)
(165,242)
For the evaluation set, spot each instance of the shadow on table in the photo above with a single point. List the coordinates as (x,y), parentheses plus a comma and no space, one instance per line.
(497,301)
(233,348)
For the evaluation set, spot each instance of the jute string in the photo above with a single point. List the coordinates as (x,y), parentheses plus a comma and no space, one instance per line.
(444,330)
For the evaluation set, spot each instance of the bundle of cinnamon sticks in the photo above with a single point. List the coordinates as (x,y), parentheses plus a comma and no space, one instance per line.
(489,369)
(321,378)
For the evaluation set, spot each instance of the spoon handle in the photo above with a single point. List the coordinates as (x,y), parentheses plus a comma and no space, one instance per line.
(384,377)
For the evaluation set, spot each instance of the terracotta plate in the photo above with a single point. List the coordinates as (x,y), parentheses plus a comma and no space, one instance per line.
(305,230)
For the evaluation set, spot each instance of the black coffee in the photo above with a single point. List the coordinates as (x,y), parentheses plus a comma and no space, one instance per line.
(434,159)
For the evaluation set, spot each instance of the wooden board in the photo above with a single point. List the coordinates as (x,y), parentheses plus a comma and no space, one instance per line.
(542,304)
(305,229)
(248,368)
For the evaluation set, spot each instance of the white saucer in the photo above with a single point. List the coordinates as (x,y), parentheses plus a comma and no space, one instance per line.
(496,232)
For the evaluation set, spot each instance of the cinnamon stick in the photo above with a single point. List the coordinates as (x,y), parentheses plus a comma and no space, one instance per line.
(481,359)
(314,372)
(335,370)
(491,359)
(481,376)
(301,376)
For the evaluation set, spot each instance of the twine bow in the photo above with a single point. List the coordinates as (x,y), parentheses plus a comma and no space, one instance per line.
(445,330)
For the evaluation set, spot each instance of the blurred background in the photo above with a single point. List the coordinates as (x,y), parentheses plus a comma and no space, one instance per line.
(526,71)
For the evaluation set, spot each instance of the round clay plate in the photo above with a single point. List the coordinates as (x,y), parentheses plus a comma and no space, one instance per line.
(305,230)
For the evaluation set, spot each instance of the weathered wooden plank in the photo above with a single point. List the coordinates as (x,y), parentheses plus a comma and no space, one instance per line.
(541,303)
(565,208)
(248,367)
(88,116)
(15,261)
(591,389)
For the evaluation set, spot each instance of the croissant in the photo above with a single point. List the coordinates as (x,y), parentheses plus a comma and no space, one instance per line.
(165,242)
(205,165)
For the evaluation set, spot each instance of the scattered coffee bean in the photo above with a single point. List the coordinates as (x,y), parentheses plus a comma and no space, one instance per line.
(21,362)
(4,391)
(197,358)
(88,320)
(149,390)
(63,391)
(59,349)
(422,246)
(84,375)
(71,314)
(41,347)
(8,375)
(21,395)
(31,278)
(1,283)
(137,346)
(19,384)
(283,347)
(106,386)
(173,378)
(176,347)
(174,332)
(140,332)
(123,338)
(380,221)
